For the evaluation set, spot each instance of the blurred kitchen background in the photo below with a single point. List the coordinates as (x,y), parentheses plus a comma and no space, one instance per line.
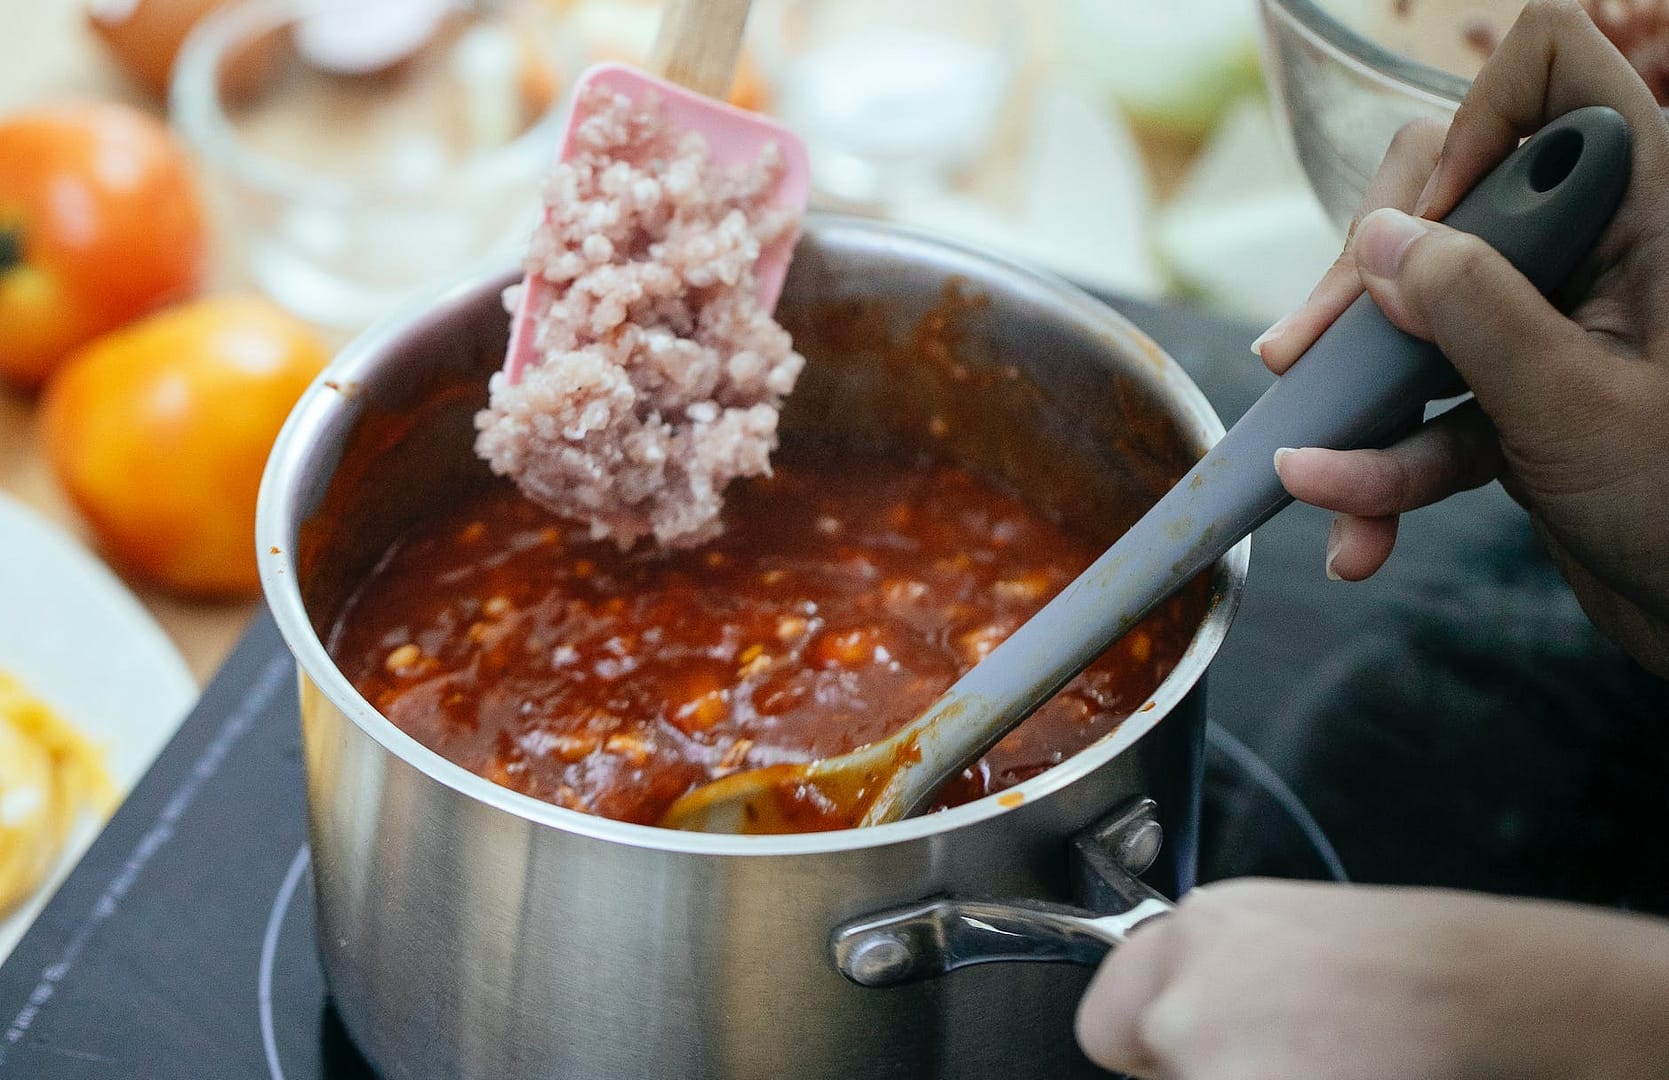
(353,153)
(1127,145)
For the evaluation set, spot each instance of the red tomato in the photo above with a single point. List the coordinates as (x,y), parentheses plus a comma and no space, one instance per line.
(99,223)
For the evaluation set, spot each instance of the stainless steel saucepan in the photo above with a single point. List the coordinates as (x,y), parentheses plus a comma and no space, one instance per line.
(470,931)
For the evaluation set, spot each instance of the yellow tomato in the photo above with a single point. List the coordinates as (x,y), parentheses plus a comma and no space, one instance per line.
(159,432)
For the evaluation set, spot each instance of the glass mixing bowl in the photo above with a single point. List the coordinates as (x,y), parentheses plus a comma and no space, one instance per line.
(1343,95)
(359,150)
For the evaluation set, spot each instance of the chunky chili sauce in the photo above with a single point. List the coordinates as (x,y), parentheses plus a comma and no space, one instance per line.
(843,597)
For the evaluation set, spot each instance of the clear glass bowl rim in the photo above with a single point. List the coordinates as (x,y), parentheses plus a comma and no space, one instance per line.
(195,107)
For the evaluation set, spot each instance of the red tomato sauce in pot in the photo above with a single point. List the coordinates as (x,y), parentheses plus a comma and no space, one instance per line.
(844,595)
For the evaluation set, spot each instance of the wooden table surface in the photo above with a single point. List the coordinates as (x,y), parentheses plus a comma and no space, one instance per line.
(48,54)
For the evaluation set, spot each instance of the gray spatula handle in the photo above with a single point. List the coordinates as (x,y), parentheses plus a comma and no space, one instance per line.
(1543,208)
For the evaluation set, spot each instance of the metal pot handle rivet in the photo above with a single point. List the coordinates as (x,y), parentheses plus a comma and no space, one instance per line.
(924,940)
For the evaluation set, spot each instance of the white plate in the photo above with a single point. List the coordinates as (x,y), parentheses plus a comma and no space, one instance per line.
(80,641)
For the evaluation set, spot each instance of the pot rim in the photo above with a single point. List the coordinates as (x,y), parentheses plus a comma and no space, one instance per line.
(278,522)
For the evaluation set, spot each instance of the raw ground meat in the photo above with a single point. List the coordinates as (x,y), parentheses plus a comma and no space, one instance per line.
(659,377)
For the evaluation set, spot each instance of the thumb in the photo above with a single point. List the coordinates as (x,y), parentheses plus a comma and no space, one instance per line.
(1526,363)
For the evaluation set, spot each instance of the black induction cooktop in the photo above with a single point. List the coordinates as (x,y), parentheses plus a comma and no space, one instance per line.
(1455,721)
(182,946)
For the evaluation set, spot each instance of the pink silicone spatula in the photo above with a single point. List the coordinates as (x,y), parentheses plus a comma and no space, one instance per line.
(690,68)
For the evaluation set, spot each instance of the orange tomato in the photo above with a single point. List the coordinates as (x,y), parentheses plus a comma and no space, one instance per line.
(159,432)
(145,36)
(99,224)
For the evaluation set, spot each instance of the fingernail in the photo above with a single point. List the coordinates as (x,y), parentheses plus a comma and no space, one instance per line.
(1383,240)
(1280,455)
(1275,331)
(1423,203)
(1335,541)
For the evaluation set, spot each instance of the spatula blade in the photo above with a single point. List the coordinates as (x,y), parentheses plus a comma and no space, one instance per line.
(734,137)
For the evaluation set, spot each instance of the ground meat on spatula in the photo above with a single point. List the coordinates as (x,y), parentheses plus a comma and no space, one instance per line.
(659,376)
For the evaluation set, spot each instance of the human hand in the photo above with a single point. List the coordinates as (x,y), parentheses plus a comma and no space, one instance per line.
(1262,980)
(1571,413)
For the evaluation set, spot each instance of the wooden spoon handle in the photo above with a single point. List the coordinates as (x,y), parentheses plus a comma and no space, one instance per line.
(698,43)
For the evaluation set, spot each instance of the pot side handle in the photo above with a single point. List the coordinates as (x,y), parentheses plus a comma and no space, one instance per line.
(928,939)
